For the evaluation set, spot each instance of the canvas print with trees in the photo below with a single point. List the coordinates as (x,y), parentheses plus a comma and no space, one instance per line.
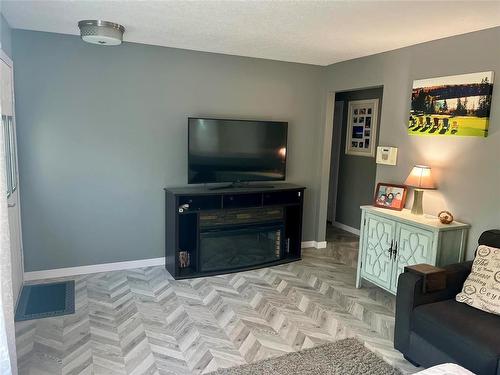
(451,106)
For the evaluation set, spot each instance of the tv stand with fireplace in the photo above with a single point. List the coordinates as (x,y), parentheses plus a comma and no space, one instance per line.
(212,232)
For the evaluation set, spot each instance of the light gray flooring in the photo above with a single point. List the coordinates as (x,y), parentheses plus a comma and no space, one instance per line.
(142,321)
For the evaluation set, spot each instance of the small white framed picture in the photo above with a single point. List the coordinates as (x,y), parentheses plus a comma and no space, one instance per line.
(362,128)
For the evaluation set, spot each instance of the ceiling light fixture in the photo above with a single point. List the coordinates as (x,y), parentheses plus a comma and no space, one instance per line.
(103,33)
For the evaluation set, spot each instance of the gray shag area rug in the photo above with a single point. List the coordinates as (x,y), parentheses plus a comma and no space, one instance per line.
(345,357)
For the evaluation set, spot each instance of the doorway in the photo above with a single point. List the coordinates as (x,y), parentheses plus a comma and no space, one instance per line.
(352,177)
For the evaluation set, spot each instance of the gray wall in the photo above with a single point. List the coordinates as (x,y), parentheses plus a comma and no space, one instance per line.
(102,130)
(466,168)
(5,36)
(356,177)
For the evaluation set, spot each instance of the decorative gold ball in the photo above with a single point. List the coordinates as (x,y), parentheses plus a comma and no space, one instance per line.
(445,217)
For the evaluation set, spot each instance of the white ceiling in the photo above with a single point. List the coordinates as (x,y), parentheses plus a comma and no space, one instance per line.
(313,32)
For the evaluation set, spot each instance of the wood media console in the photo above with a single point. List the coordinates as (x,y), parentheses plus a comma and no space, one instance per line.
(212,232)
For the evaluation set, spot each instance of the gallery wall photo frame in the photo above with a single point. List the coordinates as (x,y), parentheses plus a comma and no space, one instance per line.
(362,123)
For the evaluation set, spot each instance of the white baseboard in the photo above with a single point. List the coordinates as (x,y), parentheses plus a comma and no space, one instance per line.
(94,268)
(315,244)
(117,266)
(347,228)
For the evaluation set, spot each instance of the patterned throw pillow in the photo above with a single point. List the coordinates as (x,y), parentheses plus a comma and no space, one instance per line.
(482,287)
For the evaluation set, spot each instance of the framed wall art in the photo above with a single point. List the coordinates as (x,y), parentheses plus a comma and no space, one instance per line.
(362,128)
(451,106)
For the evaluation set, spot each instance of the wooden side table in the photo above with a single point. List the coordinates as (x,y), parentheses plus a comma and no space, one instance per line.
(434,278)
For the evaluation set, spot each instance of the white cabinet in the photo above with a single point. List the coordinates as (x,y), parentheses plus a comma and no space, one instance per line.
(391,240)
(377,261)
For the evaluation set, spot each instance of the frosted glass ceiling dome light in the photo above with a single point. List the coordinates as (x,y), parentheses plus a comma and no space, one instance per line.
(103,33)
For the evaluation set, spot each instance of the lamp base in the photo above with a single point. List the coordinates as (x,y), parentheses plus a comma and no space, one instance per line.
(417,207)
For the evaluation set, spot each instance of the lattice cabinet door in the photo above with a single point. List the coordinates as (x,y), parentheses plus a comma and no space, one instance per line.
(414,246)
(379,233)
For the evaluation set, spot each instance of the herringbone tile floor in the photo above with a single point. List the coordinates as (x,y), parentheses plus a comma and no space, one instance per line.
(142,321)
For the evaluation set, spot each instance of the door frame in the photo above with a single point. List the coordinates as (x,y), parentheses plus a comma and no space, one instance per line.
(324,171)
(5,58)
(335,162)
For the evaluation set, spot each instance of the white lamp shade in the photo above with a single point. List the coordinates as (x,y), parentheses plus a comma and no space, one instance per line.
(421,178)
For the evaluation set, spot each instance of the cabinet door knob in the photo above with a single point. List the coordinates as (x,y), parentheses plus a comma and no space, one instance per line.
(390,249)
(395,251)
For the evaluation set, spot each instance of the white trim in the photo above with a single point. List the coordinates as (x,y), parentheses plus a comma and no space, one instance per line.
(325,167)
(17,293)
(347,228)
(94,268)
(117,266)
(315,244)
(6,58)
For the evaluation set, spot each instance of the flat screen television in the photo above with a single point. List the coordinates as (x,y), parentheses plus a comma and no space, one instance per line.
(236,150)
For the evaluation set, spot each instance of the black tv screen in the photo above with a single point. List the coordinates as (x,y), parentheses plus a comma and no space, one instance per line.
(236,150)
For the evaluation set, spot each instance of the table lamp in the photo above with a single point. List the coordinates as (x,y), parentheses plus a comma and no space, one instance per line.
(420,178)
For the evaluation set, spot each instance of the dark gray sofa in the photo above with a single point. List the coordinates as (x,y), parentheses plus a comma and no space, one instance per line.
(432,328)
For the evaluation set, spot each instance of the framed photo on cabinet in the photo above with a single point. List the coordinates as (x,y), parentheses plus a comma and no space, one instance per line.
(361,134)
(390,196)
